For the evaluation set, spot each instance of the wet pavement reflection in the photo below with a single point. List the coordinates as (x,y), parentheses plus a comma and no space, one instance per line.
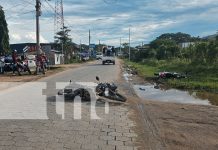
(149,92)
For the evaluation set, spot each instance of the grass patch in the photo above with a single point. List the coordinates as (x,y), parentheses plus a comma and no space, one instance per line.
(143,69)
(200,76)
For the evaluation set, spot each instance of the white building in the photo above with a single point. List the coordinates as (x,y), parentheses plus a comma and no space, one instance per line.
(186,44)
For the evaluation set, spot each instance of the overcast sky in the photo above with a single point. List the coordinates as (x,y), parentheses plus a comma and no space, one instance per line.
(109,20)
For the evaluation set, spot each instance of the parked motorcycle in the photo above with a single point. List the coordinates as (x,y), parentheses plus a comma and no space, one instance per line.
(40,67)
(8,64)
(22,66)
(40,64)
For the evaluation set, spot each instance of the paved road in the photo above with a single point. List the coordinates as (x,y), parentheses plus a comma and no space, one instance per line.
(113,131)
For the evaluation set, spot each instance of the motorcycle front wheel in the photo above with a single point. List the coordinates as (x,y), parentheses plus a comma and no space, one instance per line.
(28,69)
(19,70)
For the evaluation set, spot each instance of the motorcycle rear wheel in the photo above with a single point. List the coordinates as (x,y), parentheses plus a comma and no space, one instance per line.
(28,69)
(117,97)
(19,71)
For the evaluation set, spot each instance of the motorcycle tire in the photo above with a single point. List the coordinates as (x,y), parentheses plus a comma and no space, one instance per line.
(117,97)
(19,71)
(29,71)
(83,93)
(43,70)
(37,70)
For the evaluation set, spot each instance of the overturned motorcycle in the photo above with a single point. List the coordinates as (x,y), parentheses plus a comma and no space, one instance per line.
(103,91)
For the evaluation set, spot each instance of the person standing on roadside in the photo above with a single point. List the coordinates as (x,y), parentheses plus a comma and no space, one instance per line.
(104,50)
(44,60)
(14,59)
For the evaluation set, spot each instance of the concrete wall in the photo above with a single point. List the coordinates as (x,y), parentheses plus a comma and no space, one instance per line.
(54,58)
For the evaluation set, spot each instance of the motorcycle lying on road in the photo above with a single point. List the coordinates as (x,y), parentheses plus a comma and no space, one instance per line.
(109,91)
(105,91)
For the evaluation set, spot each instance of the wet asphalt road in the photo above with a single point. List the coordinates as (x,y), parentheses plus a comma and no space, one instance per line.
(87,73)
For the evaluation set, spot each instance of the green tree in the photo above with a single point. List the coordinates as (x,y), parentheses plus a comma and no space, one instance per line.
(165,48)
(212,53)
(188,53)
(152,53)
(125,49)
(4,37)
(201,52)
(62,38)
(178,37)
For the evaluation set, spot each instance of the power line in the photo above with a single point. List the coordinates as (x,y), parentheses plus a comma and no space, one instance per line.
(20,14)
(19,4)
(53,9)
(46,8)
(21,10)
(14,6)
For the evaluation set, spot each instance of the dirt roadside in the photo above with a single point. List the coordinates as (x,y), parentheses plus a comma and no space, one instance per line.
(172,126)
(9,80)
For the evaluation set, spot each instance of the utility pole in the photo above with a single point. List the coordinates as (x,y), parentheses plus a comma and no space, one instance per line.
(99,49)
(120,45)
(89,37)
(80,47)
(38,14)
(62,14)
(62,45)
(129,44)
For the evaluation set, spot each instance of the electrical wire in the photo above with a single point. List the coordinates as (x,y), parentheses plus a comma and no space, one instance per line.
(20,14)
(16,5)
(21,10)
(46,8)
(50,5)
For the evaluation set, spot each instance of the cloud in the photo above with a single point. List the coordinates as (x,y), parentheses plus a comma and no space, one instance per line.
(178,5)
(109,20)
(28,37)
(15,37)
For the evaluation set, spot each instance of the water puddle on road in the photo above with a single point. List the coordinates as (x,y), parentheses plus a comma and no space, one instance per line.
(148,92)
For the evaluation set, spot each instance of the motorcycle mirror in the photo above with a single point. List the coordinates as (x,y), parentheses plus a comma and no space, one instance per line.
(97,78)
